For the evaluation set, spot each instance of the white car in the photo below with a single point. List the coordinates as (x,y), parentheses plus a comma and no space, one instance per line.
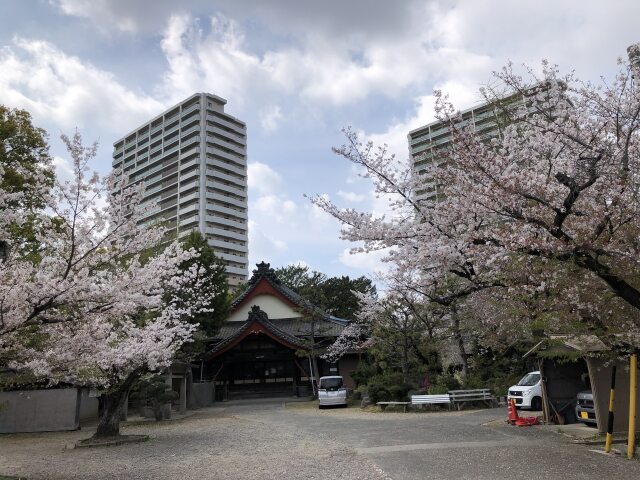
(528,392)
(331,391)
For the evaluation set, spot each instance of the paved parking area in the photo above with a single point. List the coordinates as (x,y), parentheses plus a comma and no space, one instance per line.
(463,445)
(247,440)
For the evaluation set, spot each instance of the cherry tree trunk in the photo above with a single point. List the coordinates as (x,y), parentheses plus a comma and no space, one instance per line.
(114,406)
(457,335)
(405,360)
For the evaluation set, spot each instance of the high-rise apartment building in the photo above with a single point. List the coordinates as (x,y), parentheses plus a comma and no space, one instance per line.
(431,142)
(192,159)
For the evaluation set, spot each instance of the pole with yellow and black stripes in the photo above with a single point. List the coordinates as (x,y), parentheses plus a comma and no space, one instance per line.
(607,445)
(633,374)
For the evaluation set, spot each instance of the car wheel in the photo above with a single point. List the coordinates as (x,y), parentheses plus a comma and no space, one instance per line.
(536,403)
(320,407)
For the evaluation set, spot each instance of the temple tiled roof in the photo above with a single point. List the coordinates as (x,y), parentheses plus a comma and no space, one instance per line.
(293,331)
(264,271)
(256,316)
(298,326)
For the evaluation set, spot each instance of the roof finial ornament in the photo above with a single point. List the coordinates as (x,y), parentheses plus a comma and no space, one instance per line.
(256,314)
(264,270)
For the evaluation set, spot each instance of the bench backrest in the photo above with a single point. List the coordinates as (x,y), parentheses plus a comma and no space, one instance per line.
(476,394)
(425,399)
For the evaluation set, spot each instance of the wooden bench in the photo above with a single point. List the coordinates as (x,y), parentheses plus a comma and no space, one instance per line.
(431,399)
(460,397)
(384,405)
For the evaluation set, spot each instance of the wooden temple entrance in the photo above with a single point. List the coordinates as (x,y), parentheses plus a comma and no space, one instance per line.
(259,360)
(260,366)
(256,353)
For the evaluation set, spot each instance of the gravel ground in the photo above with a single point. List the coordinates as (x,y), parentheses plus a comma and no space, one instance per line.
(263,440)
(209,445)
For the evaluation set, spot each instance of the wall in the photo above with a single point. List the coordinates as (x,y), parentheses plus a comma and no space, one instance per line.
(202,394)
(347,364)
(273,306)
(88,406)
(600,374)
(40,410)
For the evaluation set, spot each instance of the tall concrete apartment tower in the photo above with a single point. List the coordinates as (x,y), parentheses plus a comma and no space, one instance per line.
(427,143)
(431,142)
(192,159)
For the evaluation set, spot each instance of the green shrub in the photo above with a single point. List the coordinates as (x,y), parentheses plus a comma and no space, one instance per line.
(378,393)
(387,379)
(155,390)
(412,392)
(437,389)
(363,373)
(447,380)
(399,393)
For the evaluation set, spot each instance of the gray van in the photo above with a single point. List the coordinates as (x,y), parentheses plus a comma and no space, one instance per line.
(331,391)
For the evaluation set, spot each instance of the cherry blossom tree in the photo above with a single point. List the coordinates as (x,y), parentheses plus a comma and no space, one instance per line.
(561,186)
(420,237)
(430,262)
(101,305)
(550,205)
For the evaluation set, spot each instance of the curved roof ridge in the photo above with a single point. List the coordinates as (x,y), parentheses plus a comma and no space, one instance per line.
(265,271)
(256,315)
(341,321)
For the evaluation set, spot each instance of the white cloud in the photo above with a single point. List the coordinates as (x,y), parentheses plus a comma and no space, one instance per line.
(217,61)
(365,261)
(276,208)
(289,206)
(59,88)
(351,196)
(270,118)
(101,12)
(63,169)
(317,214)
(263,179)
(376,18)
(263,246)
(324,57)
(266,204)
(316,67)
(299,263)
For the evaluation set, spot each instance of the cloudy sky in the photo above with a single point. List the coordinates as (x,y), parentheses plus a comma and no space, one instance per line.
(296,72)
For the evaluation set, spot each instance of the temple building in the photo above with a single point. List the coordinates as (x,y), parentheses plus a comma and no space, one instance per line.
(272,343)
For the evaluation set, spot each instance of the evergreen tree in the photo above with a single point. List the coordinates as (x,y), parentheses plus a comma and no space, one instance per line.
(26,176)
(210,272)
(334,295)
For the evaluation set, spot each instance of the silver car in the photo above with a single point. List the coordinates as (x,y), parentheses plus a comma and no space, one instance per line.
(585,410)
(331,391)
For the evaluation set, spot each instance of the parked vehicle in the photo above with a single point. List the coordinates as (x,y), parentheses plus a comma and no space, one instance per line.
(585,409)
(331,391)
(528,392)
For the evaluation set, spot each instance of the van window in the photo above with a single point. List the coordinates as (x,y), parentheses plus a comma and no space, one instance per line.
(331,383)
(529,380)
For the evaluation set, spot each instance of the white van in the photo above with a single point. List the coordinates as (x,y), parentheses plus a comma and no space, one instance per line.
(528,392)
(331,391)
